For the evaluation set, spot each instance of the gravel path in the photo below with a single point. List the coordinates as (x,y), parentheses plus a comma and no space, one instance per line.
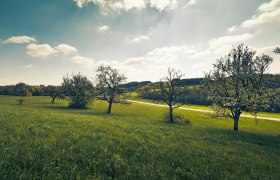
(206,111)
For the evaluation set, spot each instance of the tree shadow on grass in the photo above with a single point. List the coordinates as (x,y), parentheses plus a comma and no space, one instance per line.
(100,113)
(85,111)
(63,108)
(259,139)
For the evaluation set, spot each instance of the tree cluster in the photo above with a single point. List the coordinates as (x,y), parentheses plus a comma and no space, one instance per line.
(82,92)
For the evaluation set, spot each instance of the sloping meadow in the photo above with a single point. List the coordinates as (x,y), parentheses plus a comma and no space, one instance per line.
(43,140)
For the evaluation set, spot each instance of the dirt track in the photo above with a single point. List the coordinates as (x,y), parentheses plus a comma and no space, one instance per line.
(206,111)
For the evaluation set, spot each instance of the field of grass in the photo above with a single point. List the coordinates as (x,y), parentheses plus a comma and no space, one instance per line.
(43,140)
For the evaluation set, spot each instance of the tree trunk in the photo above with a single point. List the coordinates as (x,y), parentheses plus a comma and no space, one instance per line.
(53,98)
(236,120)
(235,127)
(171,115)
(110,107)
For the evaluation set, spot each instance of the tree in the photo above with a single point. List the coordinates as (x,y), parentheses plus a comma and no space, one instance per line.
(237,83)
(108,86)
(54,92)
(277,50)
(21,89)
(170,90)
(79,89)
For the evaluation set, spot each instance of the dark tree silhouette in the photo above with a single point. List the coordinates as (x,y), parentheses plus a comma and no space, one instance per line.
(277,50)
(21,89)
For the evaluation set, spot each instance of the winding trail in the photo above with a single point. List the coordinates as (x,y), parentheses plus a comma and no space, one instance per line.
(206,111)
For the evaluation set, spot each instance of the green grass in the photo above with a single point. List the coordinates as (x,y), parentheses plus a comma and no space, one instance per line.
(48,141)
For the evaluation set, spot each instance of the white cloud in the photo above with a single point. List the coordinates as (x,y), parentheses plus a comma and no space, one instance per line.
(108,6)
(189,4)
(264,18)
(139,39)
(19,39)
(28,66)
(229,40)
(137,4)
(103,28)
(46,51)
(269,6)
(40,50)
(269,14)
(192,2)
(232,29)
(65,49)
(163,4)
(83,61)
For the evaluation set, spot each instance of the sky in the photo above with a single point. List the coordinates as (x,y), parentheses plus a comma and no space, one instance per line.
(43,41)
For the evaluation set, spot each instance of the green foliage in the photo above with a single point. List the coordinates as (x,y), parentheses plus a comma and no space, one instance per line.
(133,86)
(40,140)
(21,89)
(79,89)
(277,50)
(55,92)
(237,82)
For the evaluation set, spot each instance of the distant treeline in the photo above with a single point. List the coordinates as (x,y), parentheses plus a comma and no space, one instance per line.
(133,86)
(192,91)
(189,94)
(30,90)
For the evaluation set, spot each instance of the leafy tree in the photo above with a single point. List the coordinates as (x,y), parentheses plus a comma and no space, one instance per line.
(170,90)
(108,86)
(21,89)
(237,83)
(54,92)
(79,89)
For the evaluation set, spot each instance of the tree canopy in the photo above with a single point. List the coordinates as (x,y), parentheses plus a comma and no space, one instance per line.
(79,89)
(237,82)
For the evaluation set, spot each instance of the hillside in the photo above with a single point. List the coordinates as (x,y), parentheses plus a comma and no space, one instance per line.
(43,140)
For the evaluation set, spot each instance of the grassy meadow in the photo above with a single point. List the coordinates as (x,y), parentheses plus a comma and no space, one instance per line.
(40,140)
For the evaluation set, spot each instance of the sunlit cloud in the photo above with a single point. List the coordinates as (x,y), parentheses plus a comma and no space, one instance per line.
(46,51)
(140,38)
(28,66)
(19,40)
(109,6)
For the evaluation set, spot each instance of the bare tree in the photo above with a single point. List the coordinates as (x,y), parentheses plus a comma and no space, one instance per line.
(170,90)
(237,83)
(108,86)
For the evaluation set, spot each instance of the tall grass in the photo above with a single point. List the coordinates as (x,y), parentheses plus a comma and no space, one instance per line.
(43,140)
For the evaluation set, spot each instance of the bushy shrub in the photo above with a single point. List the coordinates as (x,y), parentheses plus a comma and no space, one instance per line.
(79,89)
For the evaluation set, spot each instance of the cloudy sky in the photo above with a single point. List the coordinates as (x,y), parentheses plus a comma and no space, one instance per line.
(42,41)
